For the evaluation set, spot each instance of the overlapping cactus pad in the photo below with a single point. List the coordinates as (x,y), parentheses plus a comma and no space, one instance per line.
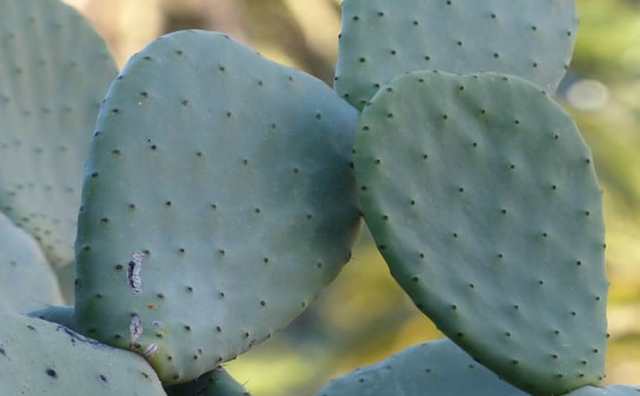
(26,279)
(215,383)
(39,358)
(382,39)
(54,70)
(483,199)
(60,314)
(436,368)
(218,201)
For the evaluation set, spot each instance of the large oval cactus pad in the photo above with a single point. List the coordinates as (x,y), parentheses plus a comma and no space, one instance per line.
(27,281)
(483,199)
(219,200)
(382,39)
(435,368)
(215,383)
(39,358)
(54,71)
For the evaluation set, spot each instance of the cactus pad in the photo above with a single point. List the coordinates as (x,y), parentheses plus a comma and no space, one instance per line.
(382,39)
(62,315)
(218,201)
(435,368)
(483,199)
(612,390)
(214,383)
(41,358)
(26,279)
(54,71)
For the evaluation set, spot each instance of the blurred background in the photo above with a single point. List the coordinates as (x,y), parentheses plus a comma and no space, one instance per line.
(364,316)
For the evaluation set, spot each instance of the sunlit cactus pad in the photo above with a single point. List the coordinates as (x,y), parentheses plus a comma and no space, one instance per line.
(219,200)
(215,383)
(54,70)
(436,368)
(483,199)
(26,279)
(382,39)
(39,358)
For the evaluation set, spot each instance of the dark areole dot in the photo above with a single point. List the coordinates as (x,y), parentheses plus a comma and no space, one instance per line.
(52,373)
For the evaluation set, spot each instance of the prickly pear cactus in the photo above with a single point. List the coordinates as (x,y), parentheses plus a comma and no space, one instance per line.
(435,368)
(26,279)
(42,358)
(54,71)
(218,201)
(612,390)
(215,383)
(62,315)
(382,39)
(483,199)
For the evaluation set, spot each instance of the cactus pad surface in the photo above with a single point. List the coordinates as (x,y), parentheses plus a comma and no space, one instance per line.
(218,201)
(60,314)
(54,70)
(382,39)
(612,390)
(435,368)
(483,199)
(27,282)
(39,358)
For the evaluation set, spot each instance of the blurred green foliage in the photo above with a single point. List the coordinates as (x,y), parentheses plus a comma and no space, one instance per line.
(365,316)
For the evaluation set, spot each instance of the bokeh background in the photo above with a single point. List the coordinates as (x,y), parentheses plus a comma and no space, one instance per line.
(364,316)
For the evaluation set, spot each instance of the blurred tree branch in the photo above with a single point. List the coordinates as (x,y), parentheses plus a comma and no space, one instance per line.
(262,23)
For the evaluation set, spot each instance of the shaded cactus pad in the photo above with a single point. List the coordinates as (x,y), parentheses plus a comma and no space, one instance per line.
(382,39)
(435,368)
(55,70)
(215,383)
(42,358)
(483,199)
(62,315)
(219,200)
(612,390)
(26,279)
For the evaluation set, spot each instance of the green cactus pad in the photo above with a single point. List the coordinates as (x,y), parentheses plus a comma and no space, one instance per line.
(436,368)
(54,71)
(62,315)
(382,39)
(218,201)
(214,383)
(41,358)
(26,279)
(484,201)
(613,390)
